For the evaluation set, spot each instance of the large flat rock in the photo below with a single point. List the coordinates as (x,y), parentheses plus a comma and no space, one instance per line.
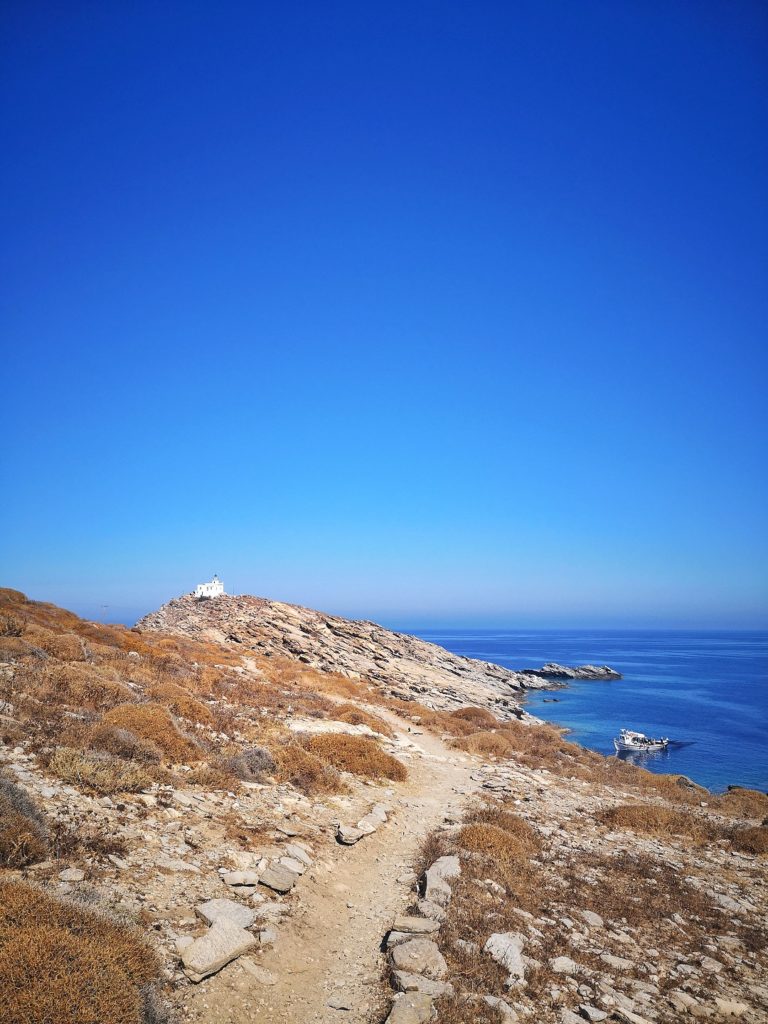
(223,942)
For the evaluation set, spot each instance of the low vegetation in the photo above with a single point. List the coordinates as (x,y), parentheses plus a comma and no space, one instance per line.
(63,963)
(155,724)
(23,828)
(307,772)
(98,772)
(360,755)
(354,715)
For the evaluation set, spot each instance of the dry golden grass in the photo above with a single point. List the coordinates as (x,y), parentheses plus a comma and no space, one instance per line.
(63,964)
(98,772)
(154,723)
(654,819)
(751,840)
(357,716)
(306,771)
(360,755)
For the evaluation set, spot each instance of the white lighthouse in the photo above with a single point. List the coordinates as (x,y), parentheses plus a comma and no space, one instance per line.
(213,589)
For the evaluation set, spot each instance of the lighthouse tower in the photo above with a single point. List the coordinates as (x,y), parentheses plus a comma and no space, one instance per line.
(213,589)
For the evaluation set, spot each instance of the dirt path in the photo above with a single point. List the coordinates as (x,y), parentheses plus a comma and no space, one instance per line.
(327,964)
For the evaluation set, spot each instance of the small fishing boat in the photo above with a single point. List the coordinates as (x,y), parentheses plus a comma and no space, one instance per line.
(628,739)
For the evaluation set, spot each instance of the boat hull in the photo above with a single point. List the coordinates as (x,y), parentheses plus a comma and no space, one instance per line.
(639,748)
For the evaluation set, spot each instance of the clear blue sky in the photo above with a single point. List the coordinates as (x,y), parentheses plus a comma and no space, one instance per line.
(428,312)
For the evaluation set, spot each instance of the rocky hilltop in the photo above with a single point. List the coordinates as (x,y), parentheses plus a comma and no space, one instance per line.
(412,668)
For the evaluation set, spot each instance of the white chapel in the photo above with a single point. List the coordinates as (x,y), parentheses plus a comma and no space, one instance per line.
(213,589)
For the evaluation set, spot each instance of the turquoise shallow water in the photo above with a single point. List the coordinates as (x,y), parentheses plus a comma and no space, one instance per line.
(707,691)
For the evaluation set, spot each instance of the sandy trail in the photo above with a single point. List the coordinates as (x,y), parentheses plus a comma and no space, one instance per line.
(327,963)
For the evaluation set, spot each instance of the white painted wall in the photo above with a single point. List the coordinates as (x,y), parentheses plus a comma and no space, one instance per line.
(213,589)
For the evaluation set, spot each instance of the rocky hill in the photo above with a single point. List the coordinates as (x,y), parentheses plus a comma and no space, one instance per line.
(412,668)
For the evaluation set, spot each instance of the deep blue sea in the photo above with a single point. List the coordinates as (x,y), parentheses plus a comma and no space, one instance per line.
(708,691)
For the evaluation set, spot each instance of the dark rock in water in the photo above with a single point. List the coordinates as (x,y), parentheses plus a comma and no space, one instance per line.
(554,671)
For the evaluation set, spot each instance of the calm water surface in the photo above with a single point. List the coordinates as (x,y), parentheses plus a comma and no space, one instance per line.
(708,691)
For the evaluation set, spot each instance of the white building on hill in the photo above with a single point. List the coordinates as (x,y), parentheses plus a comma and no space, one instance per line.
(213,589)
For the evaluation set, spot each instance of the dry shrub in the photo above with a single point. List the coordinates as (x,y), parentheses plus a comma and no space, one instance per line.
(99,772)
(62,646)
(333,682)
(14,647)
(111,739)
(437,721)
(481,717)
(253,764)
(357,716)
(494,813)
(212,776)
(62,963)
(486,744)
(746,803)
(12,625)
(653,819)
(360,755)
(495,842)
(432,846)
(23,829)
(154,723)
(82,686)
(181,703)
(306,771)
(751,840)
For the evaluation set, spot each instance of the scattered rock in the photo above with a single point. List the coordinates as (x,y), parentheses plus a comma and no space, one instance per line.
(420,956)
(564,965)
(222,943)
(506,948)
(410,1008)
(348,835)
(237,878)
(436,888)
(279,877)
(417,925)
(72,875)
(226,910)
(406,982)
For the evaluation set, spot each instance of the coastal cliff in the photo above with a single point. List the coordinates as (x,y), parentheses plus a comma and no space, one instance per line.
(411,668)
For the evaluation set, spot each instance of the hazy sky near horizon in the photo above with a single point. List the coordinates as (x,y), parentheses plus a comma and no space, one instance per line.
(436,313)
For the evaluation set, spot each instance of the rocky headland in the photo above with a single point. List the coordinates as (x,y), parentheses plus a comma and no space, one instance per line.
(410,668)
(220,822)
